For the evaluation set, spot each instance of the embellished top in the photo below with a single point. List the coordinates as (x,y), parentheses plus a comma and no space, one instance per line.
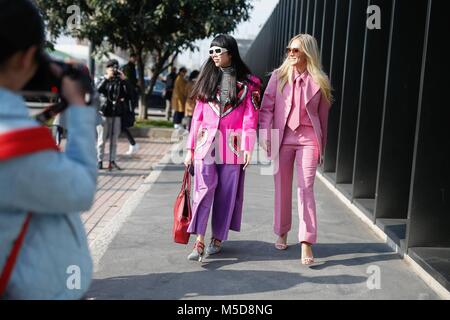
(222,104)
(229,128)
(226,83)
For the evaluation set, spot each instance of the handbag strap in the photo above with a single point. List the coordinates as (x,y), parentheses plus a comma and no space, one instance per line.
(186,181)
(189,181)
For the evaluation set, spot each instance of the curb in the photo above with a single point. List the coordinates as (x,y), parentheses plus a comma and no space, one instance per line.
(440,290)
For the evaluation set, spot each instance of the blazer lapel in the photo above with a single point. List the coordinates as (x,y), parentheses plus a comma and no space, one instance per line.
(289,92)
(309,90)
(215,105)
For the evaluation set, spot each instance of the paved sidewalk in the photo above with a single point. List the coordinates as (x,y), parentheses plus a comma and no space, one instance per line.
(115,188)
(142,261)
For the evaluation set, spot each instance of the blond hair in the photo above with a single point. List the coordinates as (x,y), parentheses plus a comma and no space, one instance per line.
(310,48)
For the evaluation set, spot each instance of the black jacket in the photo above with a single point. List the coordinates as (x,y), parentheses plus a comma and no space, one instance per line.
(116,95)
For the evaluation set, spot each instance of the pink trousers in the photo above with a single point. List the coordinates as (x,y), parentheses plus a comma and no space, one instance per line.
(304,152)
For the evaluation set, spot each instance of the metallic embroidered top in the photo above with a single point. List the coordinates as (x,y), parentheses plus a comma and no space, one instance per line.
(227,82)
(222,111)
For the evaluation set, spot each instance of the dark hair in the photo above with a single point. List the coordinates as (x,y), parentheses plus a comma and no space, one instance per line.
(194,74)
(21,27)
(206,85)
(182,69)
(112,63)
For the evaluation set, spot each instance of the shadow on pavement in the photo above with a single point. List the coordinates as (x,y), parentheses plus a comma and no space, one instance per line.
(215,280)
(235,252)
(200,283)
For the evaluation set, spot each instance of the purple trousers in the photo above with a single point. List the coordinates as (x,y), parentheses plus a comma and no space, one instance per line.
(220,187)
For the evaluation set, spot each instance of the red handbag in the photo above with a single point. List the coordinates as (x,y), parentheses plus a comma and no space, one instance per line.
(182,213)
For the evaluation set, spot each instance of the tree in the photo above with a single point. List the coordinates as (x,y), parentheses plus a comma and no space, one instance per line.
(161,29)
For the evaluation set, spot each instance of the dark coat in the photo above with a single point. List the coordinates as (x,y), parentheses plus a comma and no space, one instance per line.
(116,94)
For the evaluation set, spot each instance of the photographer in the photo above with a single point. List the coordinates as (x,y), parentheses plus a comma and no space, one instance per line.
(43,246)
(116,95)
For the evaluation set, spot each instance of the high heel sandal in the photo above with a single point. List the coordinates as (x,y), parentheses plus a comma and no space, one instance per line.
(308,260)
(213,248)
(282,246)
(198,252)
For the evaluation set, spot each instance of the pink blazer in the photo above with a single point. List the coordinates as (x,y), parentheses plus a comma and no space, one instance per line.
(234,129)
(276,105)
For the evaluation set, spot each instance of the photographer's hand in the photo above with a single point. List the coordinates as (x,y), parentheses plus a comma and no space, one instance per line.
(121,75)
(72,92)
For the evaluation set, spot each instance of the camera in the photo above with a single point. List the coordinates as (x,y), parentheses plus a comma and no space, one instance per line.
(114,65)
(45,86)
(116,72)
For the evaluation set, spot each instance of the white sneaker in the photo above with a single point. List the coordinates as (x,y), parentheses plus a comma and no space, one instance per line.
(132,149)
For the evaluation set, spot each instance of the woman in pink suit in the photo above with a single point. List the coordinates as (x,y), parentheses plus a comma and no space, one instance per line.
(220,142)
(296,104)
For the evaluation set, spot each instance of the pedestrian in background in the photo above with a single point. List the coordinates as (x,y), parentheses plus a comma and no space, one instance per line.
(300,89)
(170,82)
(221,140)
(115,95)
(179,98)
(190,101)
(128,117)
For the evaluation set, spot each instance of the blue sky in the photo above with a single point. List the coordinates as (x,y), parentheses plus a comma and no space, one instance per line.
(259,15)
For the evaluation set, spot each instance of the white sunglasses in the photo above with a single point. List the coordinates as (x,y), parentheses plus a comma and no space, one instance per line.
(217,50)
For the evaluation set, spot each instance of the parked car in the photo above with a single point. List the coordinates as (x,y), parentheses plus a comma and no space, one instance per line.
(156,99)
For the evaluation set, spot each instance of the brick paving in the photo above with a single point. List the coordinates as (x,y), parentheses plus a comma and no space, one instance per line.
(114,188)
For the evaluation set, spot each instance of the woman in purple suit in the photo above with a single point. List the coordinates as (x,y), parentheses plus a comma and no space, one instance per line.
(221,140)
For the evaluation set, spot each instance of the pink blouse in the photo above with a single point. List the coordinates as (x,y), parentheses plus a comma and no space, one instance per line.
(304,134)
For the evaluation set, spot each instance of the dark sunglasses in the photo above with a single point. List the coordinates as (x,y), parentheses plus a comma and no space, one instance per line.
(293,50)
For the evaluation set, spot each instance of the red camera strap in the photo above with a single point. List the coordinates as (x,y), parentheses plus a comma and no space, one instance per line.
(21,142)
(11,260)
(13,144)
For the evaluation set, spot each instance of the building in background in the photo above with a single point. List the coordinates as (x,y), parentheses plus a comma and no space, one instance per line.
(388,149)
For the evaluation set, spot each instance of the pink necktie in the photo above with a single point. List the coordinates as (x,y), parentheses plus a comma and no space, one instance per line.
(294,118)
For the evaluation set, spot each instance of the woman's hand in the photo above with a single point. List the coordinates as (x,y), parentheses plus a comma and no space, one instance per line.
(188,159)
(247,159)
(265,144)
(121,75)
